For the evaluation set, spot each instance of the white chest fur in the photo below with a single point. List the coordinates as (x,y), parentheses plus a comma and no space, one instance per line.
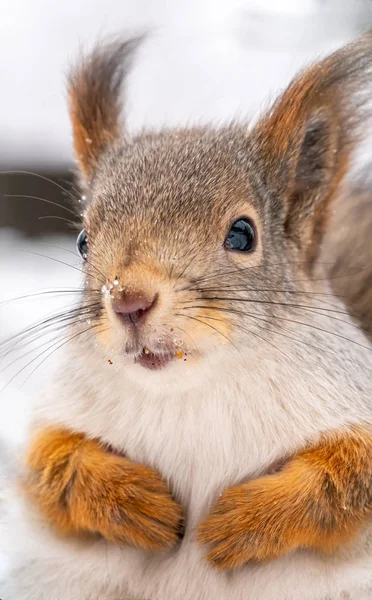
(230,425)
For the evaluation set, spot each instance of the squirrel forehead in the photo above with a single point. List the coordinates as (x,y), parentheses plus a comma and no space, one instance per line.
(184,174)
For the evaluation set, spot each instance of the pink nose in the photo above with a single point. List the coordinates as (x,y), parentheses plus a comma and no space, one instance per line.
(133,309)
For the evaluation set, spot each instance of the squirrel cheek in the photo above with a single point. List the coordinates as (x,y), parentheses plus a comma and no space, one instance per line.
(104,336)
(199,330)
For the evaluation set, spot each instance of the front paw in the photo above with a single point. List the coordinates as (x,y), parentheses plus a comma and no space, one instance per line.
(81,488)
(246,524)
(126,503)
(271,516)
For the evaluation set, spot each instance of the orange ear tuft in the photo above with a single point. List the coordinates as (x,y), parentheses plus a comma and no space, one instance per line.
(305,142)
(95,89)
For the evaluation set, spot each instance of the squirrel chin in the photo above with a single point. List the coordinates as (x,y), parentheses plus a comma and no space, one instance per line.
(154,362)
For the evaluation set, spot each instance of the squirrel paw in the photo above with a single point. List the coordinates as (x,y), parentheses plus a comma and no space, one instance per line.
(81,488)
(269,517)
(245,524)
(128,503)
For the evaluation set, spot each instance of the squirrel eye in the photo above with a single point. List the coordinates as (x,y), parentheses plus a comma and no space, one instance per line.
(82,244)
(241,236)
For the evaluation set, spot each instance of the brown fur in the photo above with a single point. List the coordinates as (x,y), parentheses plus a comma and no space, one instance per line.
(81,487)
(349,241)
(95,105)
(318,500)
(307,138)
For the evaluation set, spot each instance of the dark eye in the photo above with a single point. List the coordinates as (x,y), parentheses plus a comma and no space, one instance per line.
(82,244)
(241,236)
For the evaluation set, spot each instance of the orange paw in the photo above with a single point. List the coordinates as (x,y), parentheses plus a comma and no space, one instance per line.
(126,503)
(82,488)
(245,524)
(273,515)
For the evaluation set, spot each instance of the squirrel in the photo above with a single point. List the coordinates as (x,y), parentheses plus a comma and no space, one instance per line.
(208,434)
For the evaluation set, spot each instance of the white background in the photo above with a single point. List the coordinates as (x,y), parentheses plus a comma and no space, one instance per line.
(206,59)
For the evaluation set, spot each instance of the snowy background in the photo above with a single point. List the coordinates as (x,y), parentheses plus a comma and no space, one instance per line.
(207,60)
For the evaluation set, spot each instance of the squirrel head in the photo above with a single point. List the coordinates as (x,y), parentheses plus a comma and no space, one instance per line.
(196,239)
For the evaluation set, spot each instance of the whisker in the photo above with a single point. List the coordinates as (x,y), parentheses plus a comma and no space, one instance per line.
(73,185)
(55,260)
(88,261)
(255,335)
(38,356)
(58,218)
(207,325)
(188,335)
(292,338)
(289,337)
(41,200)
(239,312)
(27,338)
(221,273)
(65,190)
(58,348)
(56,292)
(255,290)
(318,296)
(185,269)
(60,317)
(224,273)
(313,309)
(316,310)
(31,340)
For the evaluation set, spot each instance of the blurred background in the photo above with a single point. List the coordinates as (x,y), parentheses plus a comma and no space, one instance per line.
(205,60)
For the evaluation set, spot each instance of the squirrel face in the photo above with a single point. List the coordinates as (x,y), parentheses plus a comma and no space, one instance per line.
(198,240)
(178,229)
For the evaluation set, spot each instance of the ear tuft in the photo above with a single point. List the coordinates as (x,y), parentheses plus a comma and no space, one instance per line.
(95,89)
(305,142)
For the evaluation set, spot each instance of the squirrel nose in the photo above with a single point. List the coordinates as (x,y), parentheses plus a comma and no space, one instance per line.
(133,309)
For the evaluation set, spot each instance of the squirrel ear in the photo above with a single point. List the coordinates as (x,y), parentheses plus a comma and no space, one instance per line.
(320,163)
(95,89)
(305,142)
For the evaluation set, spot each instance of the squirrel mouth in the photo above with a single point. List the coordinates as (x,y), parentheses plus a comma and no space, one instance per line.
(152,361)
